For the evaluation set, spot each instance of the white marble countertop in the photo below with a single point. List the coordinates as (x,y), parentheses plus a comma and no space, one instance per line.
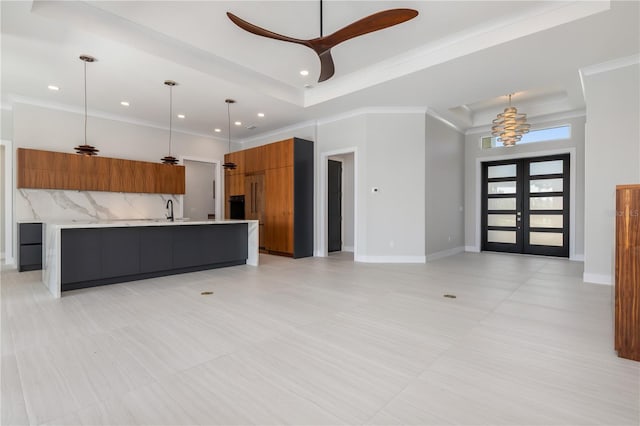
(138,222)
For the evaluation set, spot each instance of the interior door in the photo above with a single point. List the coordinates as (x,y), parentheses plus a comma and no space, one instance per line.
(525,205)
(335,206)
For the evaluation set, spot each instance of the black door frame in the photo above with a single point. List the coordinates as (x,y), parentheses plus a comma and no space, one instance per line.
(522,199)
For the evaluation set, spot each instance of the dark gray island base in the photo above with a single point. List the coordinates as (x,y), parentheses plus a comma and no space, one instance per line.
(99,256)
(82,255)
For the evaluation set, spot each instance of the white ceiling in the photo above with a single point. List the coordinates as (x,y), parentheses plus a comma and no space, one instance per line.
(458,59)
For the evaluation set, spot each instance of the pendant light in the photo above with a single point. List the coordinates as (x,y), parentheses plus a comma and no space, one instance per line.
(86,149)
(509,126)
(229,165)
(170,159)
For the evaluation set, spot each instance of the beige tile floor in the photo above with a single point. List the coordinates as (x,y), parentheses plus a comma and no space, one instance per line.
(321,341)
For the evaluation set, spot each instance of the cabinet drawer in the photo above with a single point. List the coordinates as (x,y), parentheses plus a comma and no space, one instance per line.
(30,233)
(31,255)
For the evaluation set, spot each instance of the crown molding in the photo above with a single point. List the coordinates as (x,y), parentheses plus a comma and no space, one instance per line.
(371,110)
(330,119)
(606,67)
(440,118)
(610,65)
(459,45)
(16,99)
(292,128)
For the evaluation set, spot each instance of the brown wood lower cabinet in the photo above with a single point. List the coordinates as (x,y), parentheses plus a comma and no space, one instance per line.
(279,211)
(627,291)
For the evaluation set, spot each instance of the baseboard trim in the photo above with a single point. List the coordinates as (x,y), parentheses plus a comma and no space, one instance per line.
(472,249)
(445,253)
(347,248)
(391,259)
(597,278)
(577,258)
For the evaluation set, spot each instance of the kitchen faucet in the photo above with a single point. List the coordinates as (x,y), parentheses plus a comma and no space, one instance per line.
(170,208)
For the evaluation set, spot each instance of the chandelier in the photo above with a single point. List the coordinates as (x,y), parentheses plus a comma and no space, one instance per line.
(509,126)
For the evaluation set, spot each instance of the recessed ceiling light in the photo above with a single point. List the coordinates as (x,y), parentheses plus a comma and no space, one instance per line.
(217,130)
(304,73)
(124,103)
(181,115)
(261,114)
(238,123)
(52,87)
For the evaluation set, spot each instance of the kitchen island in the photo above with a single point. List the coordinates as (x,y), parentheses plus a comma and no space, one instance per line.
(87,254)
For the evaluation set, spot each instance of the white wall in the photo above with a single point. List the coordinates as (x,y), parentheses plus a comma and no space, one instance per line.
(348,198)
(474,155)
(6,194)
(612,158)
(2,201)
(444,189)
(388,153)
(198,197)
(394,163)
(6,124)
(339,136)
(54,130)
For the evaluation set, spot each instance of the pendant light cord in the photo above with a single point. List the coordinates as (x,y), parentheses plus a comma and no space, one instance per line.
(229,123)
(85,102)
(170,115)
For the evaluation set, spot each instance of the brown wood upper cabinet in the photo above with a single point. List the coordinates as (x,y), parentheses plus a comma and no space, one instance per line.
(278,190)
(58,170)
(627,291)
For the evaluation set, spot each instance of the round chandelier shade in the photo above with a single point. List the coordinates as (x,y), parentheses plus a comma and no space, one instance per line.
(509,126)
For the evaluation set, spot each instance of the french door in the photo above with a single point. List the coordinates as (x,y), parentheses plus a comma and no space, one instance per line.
(525,205)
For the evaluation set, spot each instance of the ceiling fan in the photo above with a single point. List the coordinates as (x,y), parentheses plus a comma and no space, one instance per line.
(323,44)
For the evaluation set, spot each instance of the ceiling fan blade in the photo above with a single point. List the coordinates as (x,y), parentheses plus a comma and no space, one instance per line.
(369,24)
(326,66)
(248,26)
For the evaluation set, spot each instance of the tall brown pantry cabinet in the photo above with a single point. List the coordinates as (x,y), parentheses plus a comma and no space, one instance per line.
(277,183)
(627,292)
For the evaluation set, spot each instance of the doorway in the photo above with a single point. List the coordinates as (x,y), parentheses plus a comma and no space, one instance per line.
(525,205)
(334,206)
(338,203)
(201,188)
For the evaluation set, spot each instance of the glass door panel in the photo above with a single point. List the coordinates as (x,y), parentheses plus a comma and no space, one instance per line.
(545,185)
(525,206)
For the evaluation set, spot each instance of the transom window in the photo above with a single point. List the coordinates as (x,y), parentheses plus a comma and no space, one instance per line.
(540,135)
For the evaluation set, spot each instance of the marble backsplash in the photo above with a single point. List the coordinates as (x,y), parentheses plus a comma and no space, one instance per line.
(46,205)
